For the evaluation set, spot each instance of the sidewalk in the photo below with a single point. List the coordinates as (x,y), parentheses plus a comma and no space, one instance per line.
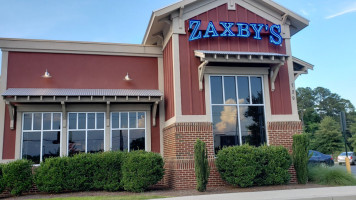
(328,193)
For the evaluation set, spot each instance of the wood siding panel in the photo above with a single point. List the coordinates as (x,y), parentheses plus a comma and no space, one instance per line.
(193,100)
(9,138)
(168,80)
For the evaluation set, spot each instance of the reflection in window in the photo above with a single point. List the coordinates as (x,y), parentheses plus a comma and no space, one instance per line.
(85,133)
(41,136)
(237,122)
(128,130)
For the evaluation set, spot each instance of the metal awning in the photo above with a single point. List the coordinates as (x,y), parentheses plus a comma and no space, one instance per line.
(12,96)
(301,67)
(275,60)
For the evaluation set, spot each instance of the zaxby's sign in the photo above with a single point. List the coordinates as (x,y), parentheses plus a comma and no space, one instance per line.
(243,30)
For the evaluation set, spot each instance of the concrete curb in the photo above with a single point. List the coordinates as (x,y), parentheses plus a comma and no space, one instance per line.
(327,193)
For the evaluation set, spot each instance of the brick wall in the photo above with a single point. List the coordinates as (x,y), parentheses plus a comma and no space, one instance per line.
(281,133)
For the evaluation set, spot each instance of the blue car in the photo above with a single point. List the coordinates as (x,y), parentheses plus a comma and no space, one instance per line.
(320,158)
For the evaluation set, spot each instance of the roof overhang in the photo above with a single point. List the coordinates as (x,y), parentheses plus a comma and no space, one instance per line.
(274,60)
(301,67)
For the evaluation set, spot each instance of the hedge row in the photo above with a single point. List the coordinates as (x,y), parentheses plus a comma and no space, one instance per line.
(111,171)
(246,166)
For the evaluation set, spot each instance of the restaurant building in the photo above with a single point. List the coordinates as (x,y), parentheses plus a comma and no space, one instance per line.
(218,70)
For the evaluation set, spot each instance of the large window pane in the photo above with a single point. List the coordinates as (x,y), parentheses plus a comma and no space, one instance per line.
(27,121)
(115,120)
(137,139)
(124,120)
(141,120)
(119,140)
(91,121)
(230,90)
(132,116)
(95,141)
(225,126)
(252,125)
(244,91)
(57,117)
(216,90)
(82,120)
(76,143)
(256,90)
(72,120)
(51,144)
(99,120)
(31,146)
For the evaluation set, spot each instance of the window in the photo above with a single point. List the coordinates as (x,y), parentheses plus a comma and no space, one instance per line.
(85,133)
(237,110)
(41,133)
(128,131)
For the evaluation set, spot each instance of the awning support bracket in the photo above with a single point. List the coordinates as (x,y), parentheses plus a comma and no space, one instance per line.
(154,113)
(12,115)
(274,73)
(201,70)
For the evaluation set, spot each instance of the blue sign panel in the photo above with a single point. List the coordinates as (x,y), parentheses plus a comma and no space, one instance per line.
(243,30)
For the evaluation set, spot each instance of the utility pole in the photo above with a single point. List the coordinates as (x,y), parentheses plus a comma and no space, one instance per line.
(343,129)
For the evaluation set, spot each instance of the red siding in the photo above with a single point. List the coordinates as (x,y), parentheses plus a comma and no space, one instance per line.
(9,138)
(155,135)
(81,71)
(193,100)
(168,80)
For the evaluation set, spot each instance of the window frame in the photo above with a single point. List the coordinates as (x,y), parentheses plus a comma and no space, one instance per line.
(128,128)
(237,104)
(86,129)
(51,130)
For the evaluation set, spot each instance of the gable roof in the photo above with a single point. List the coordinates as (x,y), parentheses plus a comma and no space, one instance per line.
(155,25)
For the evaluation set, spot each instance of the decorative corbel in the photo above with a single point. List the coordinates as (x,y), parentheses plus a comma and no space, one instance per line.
(181,10)
(274,73)
(160,37)
(12,115)
(201,70)
(154,113)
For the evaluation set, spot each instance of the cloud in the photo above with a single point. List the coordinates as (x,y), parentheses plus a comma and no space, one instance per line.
(347,10)
(304,12)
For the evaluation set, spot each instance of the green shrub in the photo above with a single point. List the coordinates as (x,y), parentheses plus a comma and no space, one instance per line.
(18,176)
(107,175)
(239,165)
(52,174)
(275,162)
(141,170)
(202,169)
(334,176)
(2,182)
(300,157)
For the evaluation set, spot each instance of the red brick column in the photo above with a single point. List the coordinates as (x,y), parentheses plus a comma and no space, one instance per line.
(179,140)
(281,133)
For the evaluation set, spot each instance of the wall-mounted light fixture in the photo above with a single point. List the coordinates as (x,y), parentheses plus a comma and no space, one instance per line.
(46,74)
(127,77)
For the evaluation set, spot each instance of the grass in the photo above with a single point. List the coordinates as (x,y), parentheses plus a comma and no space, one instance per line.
(333,176)
(139,197)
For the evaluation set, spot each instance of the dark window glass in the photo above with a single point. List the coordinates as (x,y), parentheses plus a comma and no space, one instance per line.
(82,120)
(243,89)
(137,139)
(37,121)
(256,90)
(124,120)
(99,120)
(119,140)
(51,144)
(91,120)
(27,121)
(115,120)
(141,120)
(230,90)
(31,146)
(47,121)
(72,120)
(216,90)
(76,142)
(225,126)
(95,141)
(132,116)
(56,121)
(252,125)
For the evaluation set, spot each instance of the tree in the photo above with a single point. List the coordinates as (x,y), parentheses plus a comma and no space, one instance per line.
(202,169)
(328,138)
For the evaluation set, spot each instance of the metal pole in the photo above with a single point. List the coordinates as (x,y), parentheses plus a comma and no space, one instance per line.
(343,129)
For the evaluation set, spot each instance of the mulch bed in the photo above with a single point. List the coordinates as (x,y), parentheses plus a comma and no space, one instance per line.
(161,191)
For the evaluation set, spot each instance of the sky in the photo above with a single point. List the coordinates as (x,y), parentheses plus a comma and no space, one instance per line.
(329,41)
